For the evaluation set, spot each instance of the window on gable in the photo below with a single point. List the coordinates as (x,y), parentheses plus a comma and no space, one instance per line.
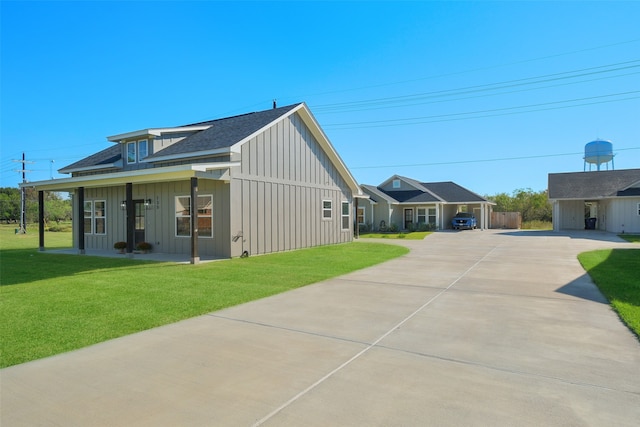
(396,183)
(142,149)
(326,209)
(345,215)
(131,152)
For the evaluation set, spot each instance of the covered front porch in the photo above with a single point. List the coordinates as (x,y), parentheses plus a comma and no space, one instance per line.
(141,206)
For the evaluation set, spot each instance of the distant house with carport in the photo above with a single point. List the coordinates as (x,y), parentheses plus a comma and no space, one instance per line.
(406,203)
(607,200)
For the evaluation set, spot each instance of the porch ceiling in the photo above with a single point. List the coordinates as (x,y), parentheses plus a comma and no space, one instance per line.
(215,171)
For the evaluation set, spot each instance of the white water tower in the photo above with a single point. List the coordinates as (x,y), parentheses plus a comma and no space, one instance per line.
(598,152)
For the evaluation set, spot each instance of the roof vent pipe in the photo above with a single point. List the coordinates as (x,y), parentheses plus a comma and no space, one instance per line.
(274,104)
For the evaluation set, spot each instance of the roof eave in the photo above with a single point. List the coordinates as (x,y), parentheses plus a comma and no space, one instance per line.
(190,155)
(162,174)
(154,132)
(114,165)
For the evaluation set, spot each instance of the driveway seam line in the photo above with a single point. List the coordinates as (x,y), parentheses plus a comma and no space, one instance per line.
(282,328)
(508,371)
(368,347)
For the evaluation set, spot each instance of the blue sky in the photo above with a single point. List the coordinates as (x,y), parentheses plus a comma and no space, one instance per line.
(491,95)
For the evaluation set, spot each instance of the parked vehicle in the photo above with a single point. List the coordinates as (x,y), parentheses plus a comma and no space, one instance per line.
(464,220)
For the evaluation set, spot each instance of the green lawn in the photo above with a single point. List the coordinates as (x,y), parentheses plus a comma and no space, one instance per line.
(616,272)
(414,235)
(632,238)
(52,303)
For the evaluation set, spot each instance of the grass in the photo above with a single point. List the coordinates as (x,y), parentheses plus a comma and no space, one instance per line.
(52,303)
(537,225)
(414,235)
(616,272)
(632,238)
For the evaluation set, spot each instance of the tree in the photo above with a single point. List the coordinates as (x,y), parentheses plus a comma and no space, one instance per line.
(9,204)
(534,206)
(56,208)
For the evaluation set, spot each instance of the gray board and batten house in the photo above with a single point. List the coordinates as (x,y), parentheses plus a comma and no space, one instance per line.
(405,203)
(256,183)
(602,200)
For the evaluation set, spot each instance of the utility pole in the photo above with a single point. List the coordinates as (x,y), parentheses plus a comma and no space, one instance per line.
(23,198)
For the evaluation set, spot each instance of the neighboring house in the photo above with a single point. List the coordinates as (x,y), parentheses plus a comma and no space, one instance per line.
(611,197)
(250,184)
(404,203)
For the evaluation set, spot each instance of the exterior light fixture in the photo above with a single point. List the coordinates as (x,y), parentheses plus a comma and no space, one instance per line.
(123,205)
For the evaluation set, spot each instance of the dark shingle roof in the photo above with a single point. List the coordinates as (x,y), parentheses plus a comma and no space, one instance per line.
(452,192)
(593,185)
(428,192)
(412,196)
(223,133)
(106,157)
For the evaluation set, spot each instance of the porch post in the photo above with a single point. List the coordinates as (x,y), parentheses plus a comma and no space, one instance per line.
(356,232)
(80,220)
(131,218)
(195,258)
(41,219)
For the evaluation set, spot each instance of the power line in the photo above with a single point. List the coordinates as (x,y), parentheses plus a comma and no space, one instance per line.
(390,101)
(500,159)
(471,70)
(475,114)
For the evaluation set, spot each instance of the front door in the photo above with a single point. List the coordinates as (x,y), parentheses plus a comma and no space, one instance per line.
(139,221)
(408,218)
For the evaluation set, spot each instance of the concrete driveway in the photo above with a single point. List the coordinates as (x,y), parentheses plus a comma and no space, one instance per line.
(474,328)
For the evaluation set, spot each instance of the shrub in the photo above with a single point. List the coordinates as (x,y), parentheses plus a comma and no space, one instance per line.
(143,246)
(393,228)
(59,228)
(120,245)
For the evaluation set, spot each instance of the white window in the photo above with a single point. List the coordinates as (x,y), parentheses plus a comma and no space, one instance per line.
(396,183)
(431,219)
(88,217)
(100,216)
(345,215)
(422,215)
(95,217)
(142,149)
(205,216)
(326,209)
(360,215)
(131,152)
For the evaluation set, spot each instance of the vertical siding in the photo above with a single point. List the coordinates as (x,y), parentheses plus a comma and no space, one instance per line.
(623,215)
(571,214)
(160,217)
(284,176)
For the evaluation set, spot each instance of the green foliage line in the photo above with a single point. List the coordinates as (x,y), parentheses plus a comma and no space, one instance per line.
(533,205)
